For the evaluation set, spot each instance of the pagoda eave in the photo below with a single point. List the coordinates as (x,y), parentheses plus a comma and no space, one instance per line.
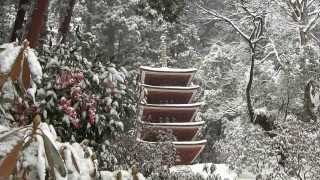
(171,88)
(186,151)
(158,113)
(173,125)
(167,70)
(182,131)
(168,94)
(166,76)
(172,106)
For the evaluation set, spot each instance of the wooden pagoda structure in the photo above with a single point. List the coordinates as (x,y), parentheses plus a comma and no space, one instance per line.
(166,105)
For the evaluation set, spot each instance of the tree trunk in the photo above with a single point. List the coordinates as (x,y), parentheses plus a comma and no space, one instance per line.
(111,41)
(37,22)
(303,37)
(248,89)
(88,19)
(65,23)
(19,19)
(311,101)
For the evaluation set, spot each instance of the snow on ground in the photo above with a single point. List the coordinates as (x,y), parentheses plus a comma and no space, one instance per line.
(220,169)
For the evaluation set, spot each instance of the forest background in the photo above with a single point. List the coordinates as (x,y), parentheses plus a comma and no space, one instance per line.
(258,68)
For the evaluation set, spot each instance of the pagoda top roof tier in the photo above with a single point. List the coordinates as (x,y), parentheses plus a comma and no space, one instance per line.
(171,88)
(166,76)
(167,70)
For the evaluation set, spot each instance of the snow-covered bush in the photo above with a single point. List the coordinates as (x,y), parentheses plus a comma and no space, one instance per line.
(291,153)
(20,72)
(82,93)
(86,98)
(32,151)
(192,172)
(125,151)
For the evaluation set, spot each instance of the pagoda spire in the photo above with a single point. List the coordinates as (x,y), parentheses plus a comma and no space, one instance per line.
(163,49)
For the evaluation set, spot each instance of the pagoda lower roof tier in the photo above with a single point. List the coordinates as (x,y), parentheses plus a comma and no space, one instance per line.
(166,76)
(186,151)
(168,94)
(181,131)
(174,113)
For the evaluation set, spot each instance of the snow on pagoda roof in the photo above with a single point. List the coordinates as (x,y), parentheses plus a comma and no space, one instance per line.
(182,144)
(172,106)
(190,143)
(167,70)
(173,125)
(171,88)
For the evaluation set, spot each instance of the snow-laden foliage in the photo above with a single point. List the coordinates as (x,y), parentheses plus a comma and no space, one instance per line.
(222,91)
(291,152)
(123,152)
(89,80)
(8,139)
(42,155)
(84,97)
(20,73)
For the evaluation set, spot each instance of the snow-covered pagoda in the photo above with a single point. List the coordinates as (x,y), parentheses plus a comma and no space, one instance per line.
(166,105)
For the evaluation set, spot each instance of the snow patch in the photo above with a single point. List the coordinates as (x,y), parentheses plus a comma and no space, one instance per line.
(221,170)
(34,65)
(8,57)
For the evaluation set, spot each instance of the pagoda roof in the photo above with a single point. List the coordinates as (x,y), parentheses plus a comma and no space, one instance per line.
(166,76)
(187,150)
(173,125)
(171,88)
(176,112)
(168,94)
(181,144)
(182,131)
(172,106)
(167,70)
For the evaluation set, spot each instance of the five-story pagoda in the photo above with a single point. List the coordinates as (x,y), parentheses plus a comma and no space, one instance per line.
(166,103)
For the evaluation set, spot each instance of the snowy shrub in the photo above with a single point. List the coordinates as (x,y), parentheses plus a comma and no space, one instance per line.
(20,74)
(33,152)
(81,92)
(188,173)
(291,152)
(125,151)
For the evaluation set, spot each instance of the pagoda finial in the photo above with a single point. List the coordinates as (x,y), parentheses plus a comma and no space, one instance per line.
(163,49)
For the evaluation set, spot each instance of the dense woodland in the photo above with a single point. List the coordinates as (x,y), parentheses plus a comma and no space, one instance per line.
(76,80)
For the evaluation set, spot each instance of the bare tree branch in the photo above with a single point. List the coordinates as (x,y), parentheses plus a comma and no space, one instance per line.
(246,9)
(293,12)
(276,53)
(229,21)
(312,22)
(310,3)
(266,57)
(315,38)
